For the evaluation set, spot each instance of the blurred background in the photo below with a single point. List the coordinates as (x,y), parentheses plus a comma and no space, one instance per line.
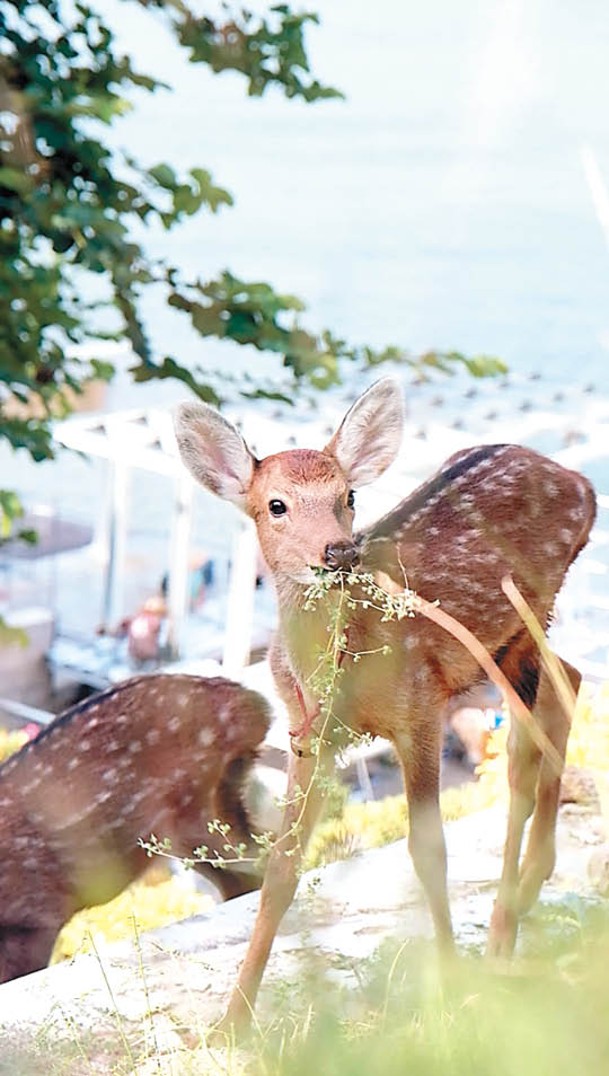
(449,201)
(455,199)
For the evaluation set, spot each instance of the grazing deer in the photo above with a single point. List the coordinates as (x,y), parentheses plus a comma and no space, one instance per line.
(163,754)
(488,512)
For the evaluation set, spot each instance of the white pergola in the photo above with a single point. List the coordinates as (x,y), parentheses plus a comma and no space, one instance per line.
(144,439)
(571,427)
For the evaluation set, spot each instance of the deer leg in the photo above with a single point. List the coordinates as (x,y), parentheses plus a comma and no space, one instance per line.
(523,768)
(304,802)
(521,666)
(540,856)
(419,754)
(523,765)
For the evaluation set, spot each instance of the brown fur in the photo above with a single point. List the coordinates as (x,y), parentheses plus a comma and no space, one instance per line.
(160,754)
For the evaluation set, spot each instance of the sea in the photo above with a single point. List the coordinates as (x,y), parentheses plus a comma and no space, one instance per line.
(456,198)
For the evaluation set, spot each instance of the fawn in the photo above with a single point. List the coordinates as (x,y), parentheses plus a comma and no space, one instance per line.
(160,753)
(488,512)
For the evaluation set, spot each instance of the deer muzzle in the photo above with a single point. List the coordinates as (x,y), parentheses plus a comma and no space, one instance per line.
(341,556)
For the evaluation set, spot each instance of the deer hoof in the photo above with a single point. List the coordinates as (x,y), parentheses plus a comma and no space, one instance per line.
(502,933)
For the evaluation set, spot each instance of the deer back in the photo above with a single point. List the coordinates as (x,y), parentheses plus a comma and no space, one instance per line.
(489,511)
(159,754)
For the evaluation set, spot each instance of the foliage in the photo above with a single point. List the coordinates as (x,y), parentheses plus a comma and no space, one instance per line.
(72,270)
(10,636)
(68,206)
(12,741)
(589,739)
(11,510)
(405,1014)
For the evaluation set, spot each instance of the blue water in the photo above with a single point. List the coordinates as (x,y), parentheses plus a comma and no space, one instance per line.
(443,204)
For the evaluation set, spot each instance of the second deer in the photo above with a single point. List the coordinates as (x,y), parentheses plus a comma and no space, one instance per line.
(163,754)
(489,512)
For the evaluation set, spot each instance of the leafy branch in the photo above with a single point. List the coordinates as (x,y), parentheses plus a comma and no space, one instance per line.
(73,274)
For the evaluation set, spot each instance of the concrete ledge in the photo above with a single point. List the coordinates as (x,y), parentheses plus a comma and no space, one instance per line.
(173,983)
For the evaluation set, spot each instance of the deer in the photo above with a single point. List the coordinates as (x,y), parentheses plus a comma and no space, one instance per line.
(162,754)
(489,512)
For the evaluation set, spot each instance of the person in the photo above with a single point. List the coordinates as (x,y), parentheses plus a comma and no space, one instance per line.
(145,630)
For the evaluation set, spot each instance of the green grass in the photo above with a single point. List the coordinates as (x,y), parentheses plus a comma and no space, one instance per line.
(545,1014)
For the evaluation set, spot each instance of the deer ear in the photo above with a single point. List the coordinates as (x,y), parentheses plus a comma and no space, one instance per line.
(214,451)
(369,437)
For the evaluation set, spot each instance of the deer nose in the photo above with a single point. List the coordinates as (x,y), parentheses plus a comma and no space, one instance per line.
(341,556)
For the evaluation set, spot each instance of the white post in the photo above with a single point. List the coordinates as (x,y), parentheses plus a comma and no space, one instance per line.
(116,539)
(179,549)
(240,603)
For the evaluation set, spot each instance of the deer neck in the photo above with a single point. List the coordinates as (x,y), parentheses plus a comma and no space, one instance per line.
(306,632)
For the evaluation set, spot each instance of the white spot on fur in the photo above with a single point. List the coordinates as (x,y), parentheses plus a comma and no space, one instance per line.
(103,797)
(29,787)
(206,737)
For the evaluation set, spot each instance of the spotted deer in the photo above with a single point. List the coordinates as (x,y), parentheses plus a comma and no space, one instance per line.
(162,754)
(489,512)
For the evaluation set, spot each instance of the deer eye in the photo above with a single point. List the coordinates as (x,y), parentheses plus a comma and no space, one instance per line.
(351,499)
(277,508)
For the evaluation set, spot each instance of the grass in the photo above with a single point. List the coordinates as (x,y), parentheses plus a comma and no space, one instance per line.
(397,1012)
(544,1017)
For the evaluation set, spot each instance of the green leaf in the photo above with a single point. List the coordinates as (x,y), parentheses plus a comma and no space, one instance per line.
(164,176)
(12,636)
(16,179)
